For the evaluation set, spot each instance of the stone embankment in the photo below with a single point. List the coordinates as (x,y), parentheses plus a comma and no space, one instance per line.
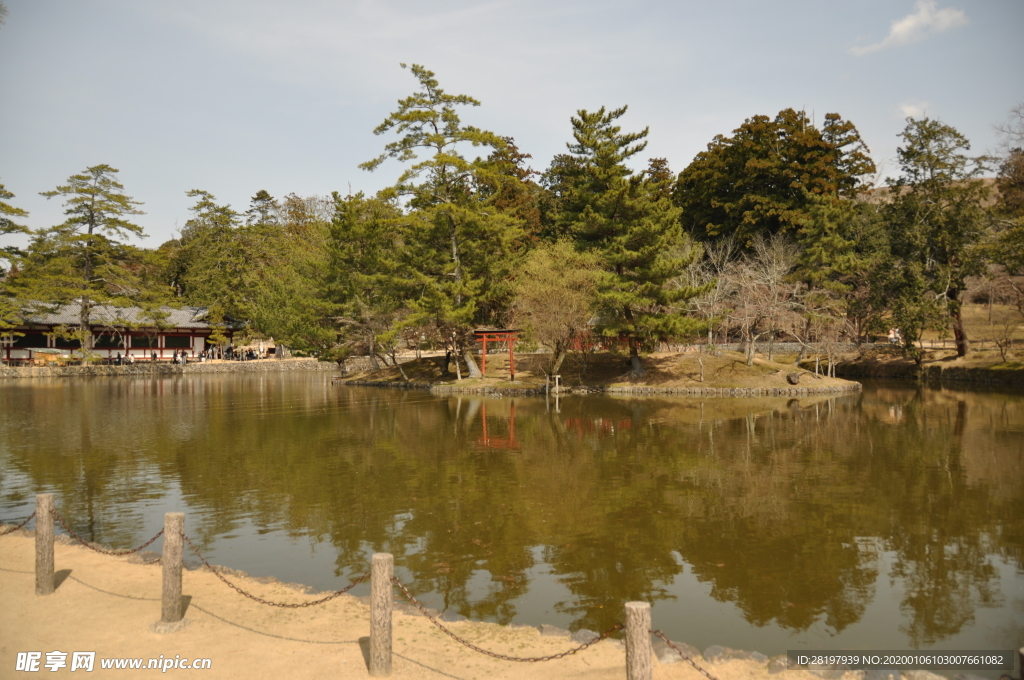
(929,373)
(616,390)
(148,369)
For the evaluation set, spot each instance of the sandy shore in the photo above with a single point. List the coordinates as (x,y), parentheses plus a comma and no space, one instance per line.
(107,604)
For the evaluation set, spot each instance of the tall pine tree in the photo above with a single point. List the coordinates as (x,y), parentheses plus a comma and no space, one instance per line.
(82,259)
(629,221)
(459,243)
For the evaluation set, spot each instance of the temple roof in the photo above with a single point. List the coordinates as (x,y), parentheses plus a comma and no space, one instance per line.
(109,315)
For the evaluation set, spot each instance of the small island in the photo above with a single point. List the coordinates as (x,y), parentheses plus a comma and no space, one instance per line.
(723,373)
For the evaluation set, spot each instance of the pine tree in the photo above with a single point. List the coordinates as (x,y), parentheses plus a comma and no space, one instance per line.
(761,179)
(9,213)
(459,243)
(368,279)
(935,219)
(10,309)
(630,222)
(80,259)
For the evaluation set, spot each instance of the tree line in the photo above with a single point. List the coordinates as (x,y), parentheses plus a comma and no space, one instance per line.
(772,231)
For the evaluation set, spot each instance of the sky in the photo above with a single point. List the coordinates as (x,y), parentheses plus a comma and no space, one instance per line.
(235,96)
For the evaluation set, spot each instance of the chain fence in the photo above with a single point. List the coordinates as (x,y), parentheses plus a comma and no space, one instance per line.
(503,657)
(289,605)
(11,531)
(395,581)
(104,551)
(685,657)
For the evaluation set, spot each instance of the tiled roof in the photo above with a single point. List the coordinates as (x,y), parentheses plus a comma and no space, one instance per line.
(68,315)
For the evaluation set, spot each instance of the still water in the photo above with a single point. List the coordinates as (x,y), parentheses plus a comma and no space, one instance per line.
(890,519)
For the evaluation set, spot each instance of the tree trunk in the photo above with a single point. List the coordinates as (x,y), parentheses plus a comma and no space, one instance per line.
(963,346)
(751,349)
(447,362)
(634,359)
(559,358)
(474,370)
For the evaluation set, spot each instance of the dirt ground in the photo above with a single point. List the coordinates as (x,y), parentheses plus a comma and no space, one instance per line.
(107,604)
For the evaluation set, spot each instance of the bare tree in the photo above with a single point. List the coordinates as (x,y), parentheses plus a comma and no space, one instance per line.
(763,301)
(1011,131)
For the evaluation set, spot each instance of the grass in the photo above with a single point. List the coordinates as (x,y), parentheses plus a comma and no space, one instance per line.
(979,330)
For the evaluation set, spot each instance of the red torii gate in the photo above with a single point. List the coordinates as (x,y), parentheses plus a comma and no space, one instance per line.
(508,335)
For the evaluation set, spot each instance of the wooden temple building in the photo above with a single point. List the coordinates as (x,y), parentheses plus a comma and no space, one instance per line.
(115,330)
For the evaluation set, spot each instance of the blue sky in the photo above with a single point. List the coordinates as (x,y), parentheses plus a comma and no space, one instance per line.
(234,96)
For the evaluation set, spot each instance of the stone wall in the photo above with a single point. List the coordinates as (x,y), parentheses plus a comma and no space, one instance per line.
(145,368)
(638,390)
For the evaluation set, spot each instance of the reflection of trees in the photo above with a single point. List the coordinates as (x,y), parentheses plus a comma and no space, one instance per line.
(781,508)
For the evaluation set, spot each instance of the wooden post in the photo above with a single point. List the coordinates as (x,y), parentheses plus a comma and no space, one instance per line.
(1020,662)
(174,527)
(638,641)
(44,543)
(382,570)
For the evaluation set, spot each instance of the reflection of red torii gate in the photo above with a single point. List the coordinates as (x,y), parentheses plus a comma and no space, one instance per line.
(509,442)
(498,335)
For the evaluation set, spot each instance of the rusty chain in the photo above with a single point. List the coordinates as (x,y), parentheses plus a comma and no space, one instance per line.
(288,605)
(687,659)
(360,579)
(90,546)
(503,657)
(11,531)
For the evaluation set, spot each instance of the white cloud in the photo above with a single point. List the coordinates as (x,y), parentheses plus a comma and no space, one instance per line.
(914,108)
(926,20)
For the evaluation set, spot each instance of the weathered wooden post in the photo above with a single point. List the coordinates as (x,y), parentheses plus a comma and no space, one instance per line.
(174,528)
(381,590)
(638,641)
(44,543)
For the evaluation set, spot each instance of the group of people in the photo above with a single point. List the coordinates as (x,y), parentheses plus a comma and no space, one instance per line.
(894,336)
(230,353)
(181,357)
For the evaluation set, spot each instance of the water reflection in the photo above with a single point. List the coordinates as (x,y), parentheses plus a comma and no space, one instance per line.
(893,514)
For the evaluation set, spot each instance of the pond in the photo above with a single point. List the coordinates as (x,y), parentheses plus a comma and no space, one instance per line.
(888,519)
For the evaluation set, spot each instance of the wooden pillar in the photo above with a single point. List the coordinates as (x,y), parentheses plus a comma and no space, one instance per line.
(638,641)
(483,357)
(174,527)
(44,543)
(381,590)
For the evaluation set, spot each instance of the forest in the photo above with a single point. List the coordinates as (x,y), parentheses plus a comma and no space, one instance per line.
(777,230)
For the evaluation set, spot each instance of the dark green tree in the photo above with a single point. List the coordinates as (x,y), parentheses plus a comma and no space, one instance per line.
(935,220)
(263,209)
(10,309)
(211,264)
(9,213)
(628,220)
(762,178)
(81,259)
(460,244)
(368,280)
